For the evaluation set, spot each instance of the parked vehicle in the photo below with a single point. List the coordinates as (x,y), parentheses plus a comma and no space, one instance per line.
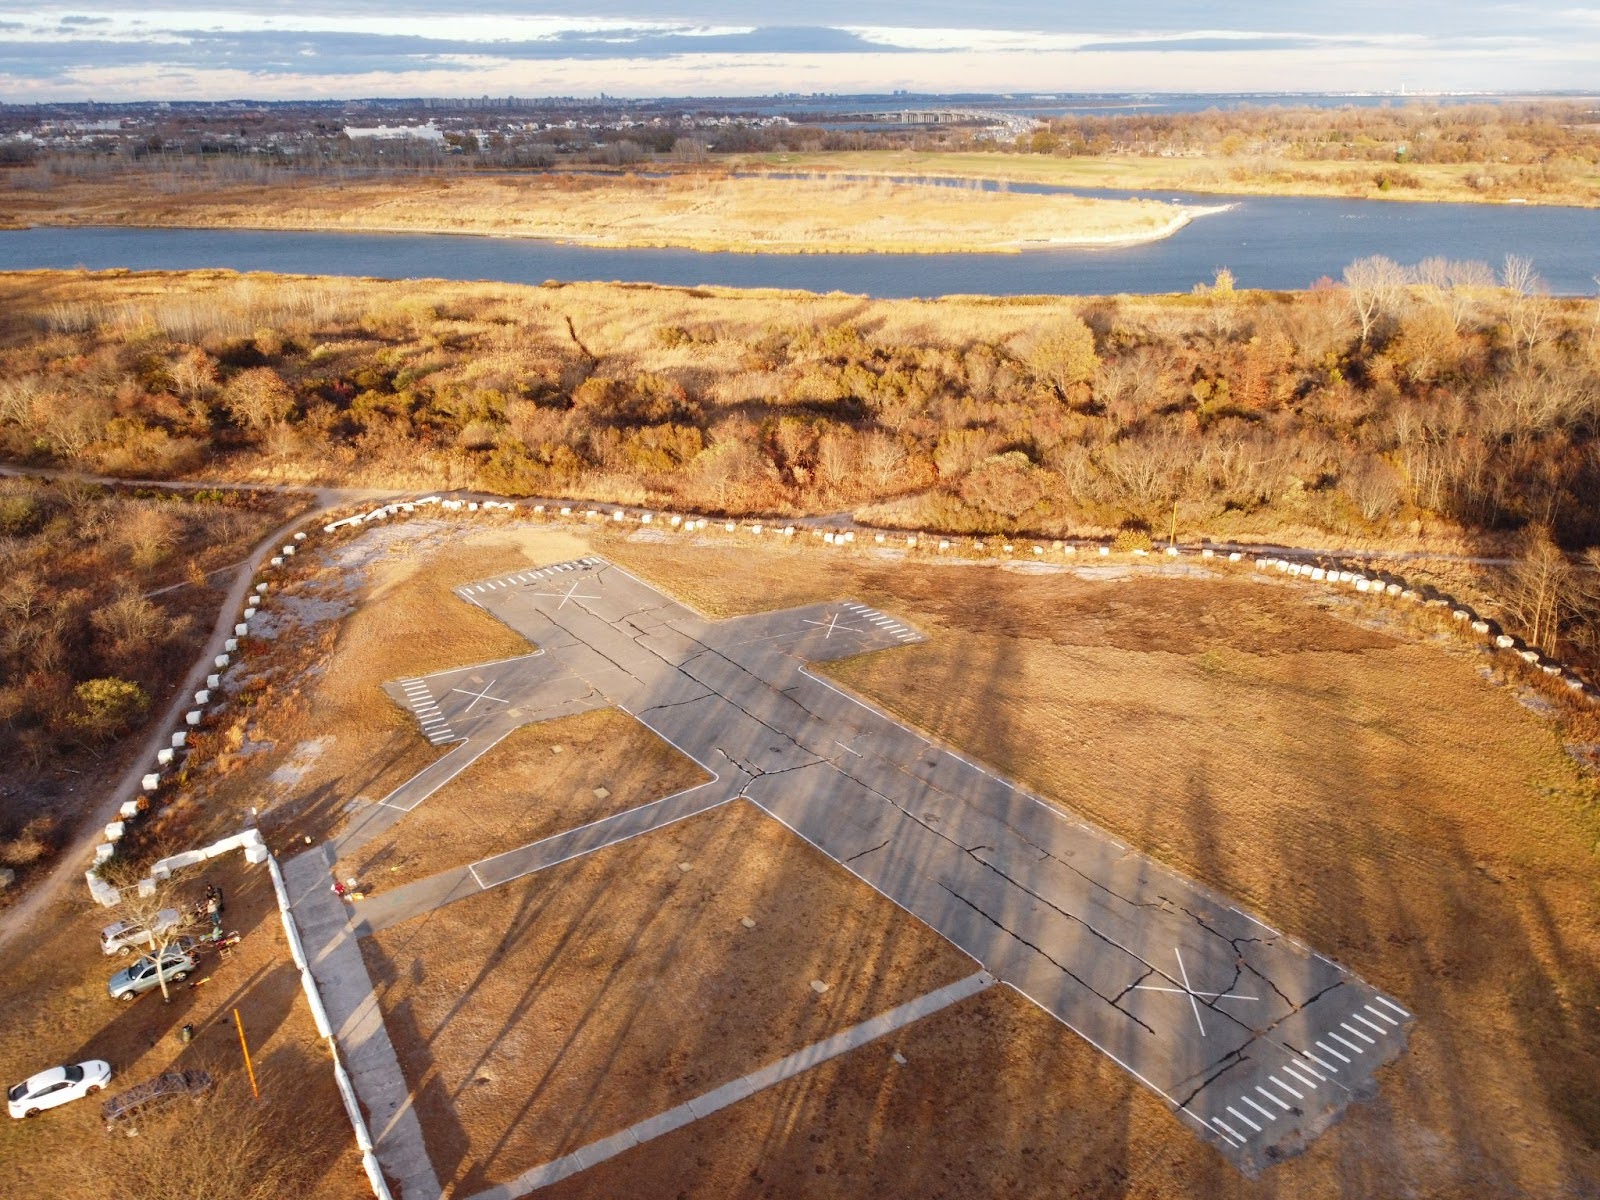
(58,1085)
(122,936)
(147,974)
(123,1111)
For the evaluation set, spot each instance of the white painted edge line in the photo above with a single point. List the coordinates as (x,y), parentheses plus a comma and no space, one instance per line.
(1255,920)
(738,1089)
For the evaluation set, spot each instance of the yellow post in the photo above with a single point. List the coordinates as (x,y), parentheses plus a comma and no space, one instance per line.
(245,1046)
(1173,540)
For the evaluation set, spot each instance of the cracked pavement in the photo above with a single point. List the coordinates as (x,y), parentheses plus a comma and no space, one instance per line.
(1257,1042)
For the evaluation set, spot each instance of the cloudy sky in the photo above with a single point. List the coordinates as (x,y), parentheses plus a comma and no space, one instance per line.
(186,50)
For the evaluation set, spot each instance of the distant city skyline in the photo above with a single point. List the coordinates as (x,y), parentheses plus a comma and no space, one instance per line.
(186,50)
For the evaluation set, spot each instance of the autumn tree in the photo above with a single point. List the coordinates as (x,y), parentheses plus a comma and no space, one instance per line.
(106,707)
(258,398)
(1375,286)
(1062,356)
(1540,593)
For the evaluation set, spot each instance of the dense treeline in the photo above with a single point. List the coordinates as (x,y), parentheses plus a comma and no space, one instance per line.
(1436,402)
(90,635)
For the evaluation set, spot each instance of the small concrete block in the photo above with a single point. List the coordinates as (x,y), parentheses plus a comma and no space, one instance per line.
(1069,549)
(203,696)
(1105,551)
(557,749)
(1208,552)
(114,831)
(601,793)
(241,630)
(1007,547)
(164,756)
(756,529)
(646,518)
(1038,549)
(730,527)
(275,561)
(300,537)
(192,717)
(1172,552)
(129,810)
(255,855)
(231,645)
(178,740)
(102,852)
(607,1147)
(472,506)
(911,543)
(566,511)
(900,1059)
(662,1123)
(150,782)
(685,866)
(213,681)
(747,922)
(818,986)
(1505,641)
(261,587)
(287,551)
(220,661)
(249,613)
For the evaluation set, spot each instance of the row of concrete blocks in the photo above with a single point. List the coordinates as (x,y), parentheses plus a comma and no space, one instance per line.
(166,758)
(319,1017)
(1377,584)
(255,851)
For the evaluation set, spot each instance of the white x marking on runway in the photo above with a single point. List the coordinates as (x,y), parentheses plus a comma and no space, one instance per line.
(570,594)
(1190,992)
(476,696)
(831,624)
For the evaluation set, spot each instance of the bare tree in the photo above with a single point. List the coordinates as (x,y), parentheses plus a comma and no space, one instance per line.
(1376,285)
(1541,592)
(144,907)
(1526,312)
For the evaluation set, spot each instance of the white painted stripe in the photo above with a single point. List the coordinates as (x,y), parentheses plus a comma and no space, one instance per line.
(1344,1041)
(1253,920)
(1324,1065)
(1303,1078)
(1346,1025)
(1233,1138)
(1369,1024)
(1244,1118)
(1391,1004)
(1273,1098)
(731,1093)
(1297,1095)
(1271,1116)
(1382,1016)
(1332,1051)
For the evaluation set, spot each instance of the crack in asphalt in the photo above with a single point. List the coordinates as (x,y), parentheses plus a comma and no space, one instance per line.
(869,850)
(1042,953)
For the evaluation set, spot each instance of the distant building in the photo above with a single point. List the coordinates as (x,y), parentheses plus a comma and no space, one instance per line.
(416,133)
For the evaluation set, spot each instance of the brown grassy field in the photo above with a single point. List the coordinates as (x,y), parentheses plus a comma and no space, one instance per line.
(53,992)
(315,737)
(1375,796)
(697,212)
(553,1011)
(541,780)
(1452,183)
(1371,792)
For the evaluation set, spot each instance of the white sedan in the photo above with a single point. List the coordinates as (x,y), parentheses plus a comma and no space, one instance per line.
(56,1086)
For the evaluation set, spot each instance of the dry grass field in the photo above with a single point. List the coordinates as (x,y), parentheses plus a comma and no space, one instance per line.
(53,993)
(1375,796)
(317,737)
(542,780)
(1365,790)
(548,1013)
(695,212)
(1242,175)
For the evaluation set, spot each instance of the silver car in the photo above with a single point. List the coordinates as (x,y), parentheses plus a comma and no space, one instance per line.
(146,974)
(123,936)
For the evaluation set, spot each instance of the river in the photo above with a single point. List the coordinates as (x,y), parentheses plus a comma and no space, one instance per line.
(1267,242)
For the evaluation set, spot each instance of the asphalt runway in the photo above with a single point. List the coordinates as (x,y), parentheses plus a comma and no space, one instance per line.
(1256,1041)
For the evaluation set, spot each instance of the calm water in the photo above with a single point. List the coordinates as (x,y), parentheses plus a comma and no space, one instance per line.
(1268,242)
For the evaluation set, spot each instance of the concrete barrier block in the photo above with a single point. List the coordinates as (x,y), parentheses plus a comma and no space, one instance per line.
(241,630)
(150,782)
(178,739)
(1236,556)
(1207,552)
(1393,589)
(288,551)
(164,756)
(1069,549)
(102,852)
(756,529)
(1172,552)
(1007,548)
(1505,641)
(161,872)
(261,587)
(213,681)
(250,837)
(1528,656)
(255,855)
(300,537)
(114,831)
(182,860)
(1038,549)
(220,661)
(249,612)
(1105,551)
(203,696)
(226,846)
(646,518)
(1480,627)
(1318,574)
(192,717)
(129,810)
(230,646)
(375,1179)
